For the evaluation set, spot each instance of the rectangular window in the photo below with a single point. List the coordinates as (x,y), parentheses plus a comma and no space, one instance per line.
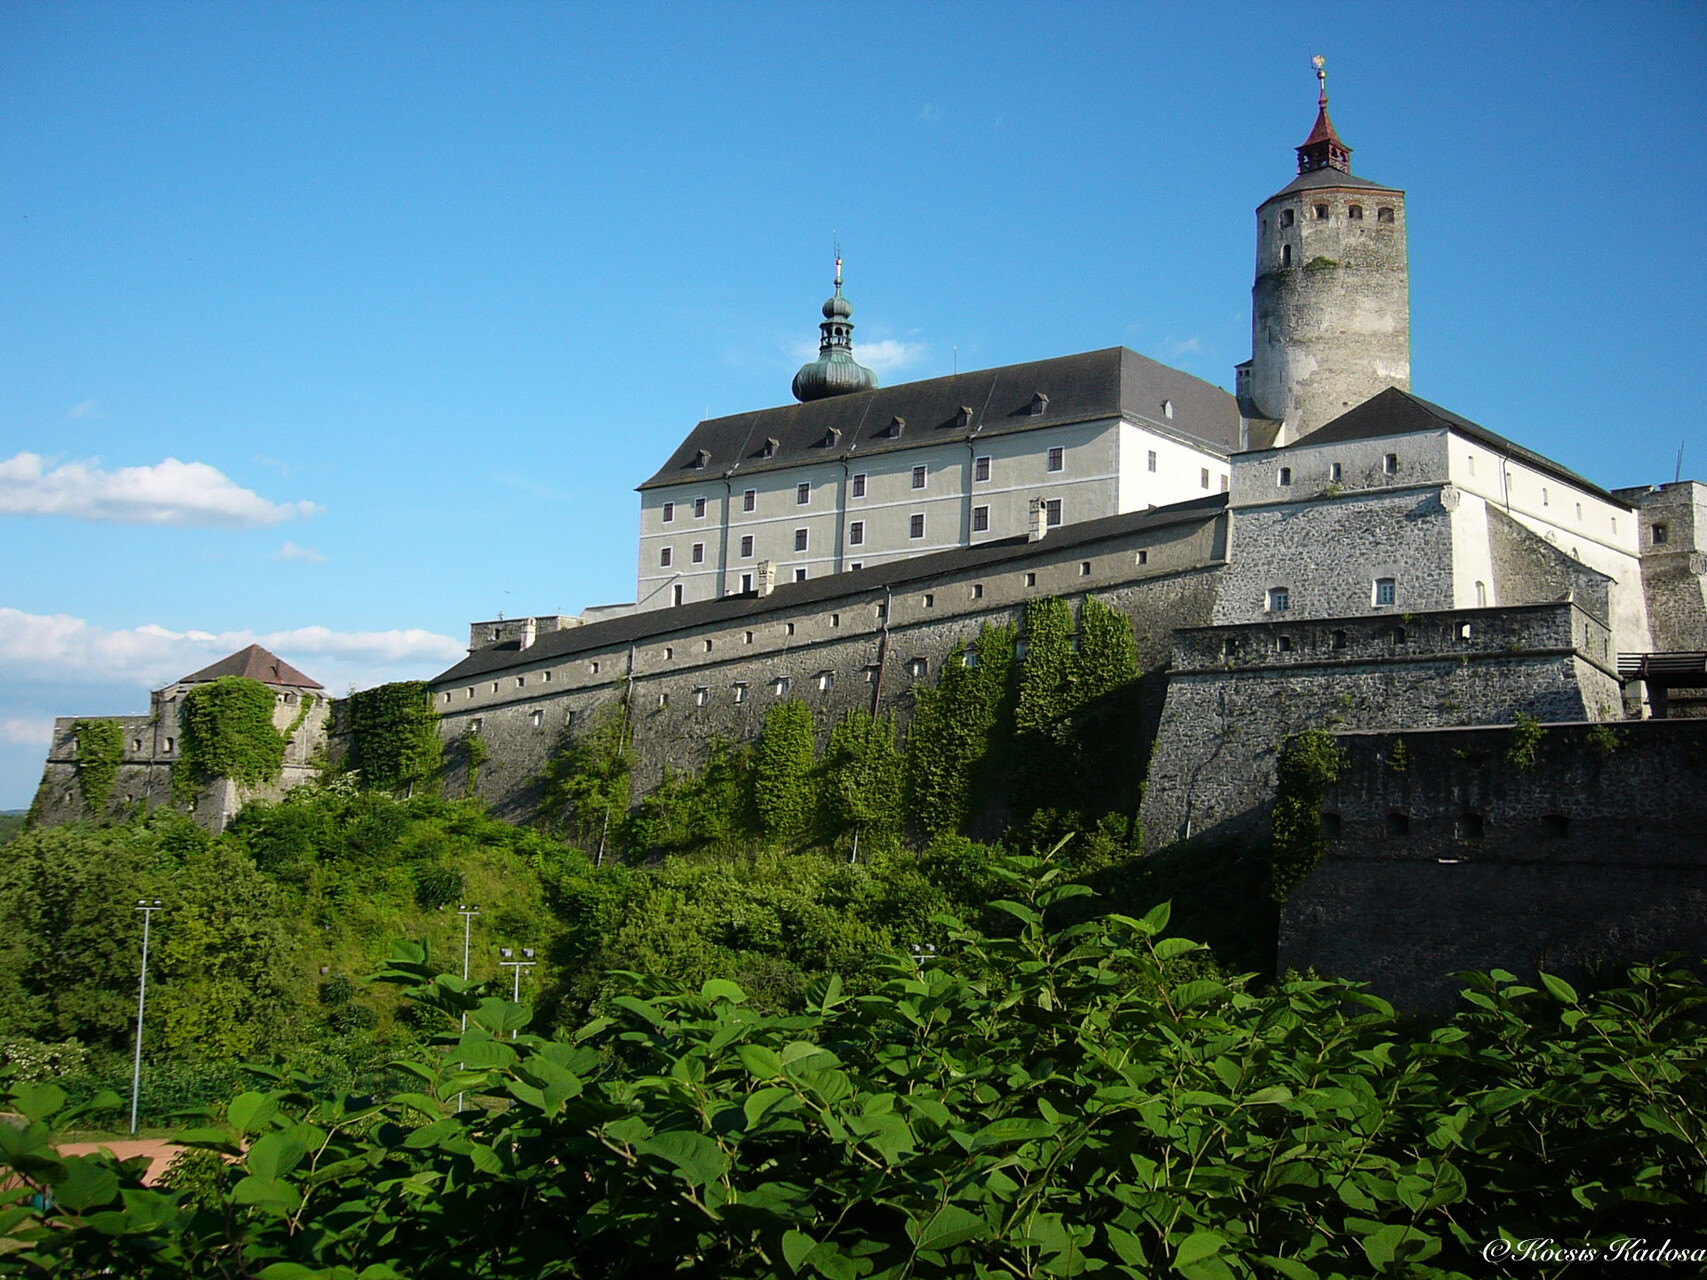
(1390,464)
(698,556)
(800,539)
(746,582)
(676,594)
(826,681)
(1052,512)
(981,469)
(701,695)
(802,494)
(859,485)
(1386,590)
(780,686)
(1084,568)
(1279,599)
(1031,579)
(980,519)
(856,534)
(1662,535)
(977,590)
(1205,477)
(750,500)
(740,691)
(800,575)
(746,544)
(918,477)
(665,556)
(1057,458)
(1223,484)
(536,719)
(699,508)
(857,564)
(1334,472)
(1143,557)
(929,600)
(1285,477)
(916,526)
(1152,460)
(669,652)
(669,512)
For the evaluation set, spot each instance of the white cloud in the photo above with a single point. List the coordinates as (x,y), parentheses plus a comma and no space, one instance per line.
(82,409)
(169,493)
(28,731)
(1177,347)
(290,551)
(41,648)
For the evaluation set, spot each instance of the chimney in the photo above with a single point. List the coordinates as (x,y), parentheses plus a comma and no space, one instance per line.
(530,630)
(1034,530)
(767,578)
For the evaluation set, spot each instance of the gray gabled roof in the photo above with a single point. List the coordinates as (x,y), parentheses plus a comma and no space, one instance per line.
(653,623)
(1080,388)
(1396,413)
(254,663)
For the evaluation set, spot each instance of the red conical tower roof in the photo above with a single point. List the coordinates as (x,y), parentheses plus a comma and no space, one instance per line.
(1323,148)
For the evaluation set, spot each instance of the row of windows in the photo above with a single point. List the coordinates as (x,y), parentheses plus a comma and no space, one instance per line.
(1336,472)
(1055,461)
(1323,212)
(1383,593)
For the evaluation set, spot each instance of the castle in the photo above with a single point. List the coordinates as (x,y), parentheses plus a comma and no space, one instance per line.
(1321,549)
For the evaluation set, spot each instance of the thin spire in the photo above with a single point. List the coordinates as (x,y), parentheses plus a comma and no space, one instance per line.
(1323,148)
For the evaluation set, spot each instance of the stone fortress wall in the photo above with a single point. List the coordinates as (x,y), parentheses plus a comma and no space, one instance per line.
(1450,855)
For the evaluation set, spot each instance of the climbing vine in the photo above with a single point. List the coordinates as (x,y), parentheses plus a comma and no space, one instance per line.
(782,760)
(226,731)
(1526,735)
(862,775)
(100,751)
(957,744)
(394,737)
(474,753)
(586,785)
(1309,761)
(309,701)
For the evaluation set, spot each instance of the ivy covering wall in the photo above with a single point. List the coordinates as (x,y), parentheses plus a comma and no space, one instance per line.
(100,751)
(226,731)
(1308,762)
(394,738)
(958,742)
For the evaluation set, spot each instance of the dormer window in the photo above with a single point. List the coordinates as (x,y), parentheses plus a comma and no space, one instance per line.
(895,428)
(702,460)
(964,417)
(832,437)
(1039,405)
(1168,405)
(770,447)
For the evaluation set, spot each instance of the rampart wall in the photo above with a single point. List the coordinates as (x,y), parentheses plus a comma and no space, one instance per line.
(1458,852)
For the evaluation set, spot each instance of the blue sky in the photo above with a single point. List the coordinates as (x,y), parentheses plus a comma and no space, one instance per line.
(337,326)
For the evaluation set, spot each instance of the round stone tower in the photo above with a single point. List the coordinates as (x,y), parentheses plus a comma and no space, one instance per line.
(1331,307)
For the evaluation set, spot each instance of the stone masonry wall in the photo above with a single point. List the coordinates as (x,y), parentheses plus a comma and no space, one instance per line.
(1235,693)
(1451,856)
(694,685)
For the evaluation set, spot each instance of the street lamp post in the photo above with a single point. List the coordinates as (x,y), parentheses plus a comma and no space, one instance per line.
(510,962)
(467,913)
(148,909)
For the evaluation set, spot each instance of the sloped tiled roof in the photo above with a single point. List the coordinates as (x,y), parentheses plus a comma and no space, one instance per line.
(1319,179)
(1396,413)
(651,623)
(1080,388)
(254,663)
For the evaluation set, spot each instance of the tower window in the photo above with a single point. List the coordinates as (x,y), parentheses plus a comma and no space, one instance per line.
(1386,591)
(1662,535)
(1286,217)
(669,512)
(981,469)
(1151,460)
(1337,640)
(1052,512)
(1286,255)
(1321,213)
(916,526)
(1355,213)
(746,544)
(1057,458)
(800,538)
(856,534)
(858,485)
(699,508)
(1279,599)
(750,500)
(918,477)
(980,519)
(802,494)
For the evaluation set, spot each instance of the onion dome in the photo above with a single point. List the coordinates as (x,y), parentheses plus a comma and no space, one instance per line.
(835,372)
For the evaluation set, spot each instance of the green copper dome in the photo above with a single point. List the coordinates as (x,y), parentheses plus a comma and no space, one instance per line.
(835,372)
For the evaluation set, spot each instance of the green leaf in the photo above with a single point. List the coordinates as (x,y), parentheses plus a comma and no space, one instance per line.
(1198,1245)
(795,1246)
(722,989)
(88,1184)
(999,1133)
(760,1102)
(949,1226)
(1156,919)
(1196,992)
(1128,1246)
(1289,1267)
(249,1112)
(273,1155)
(1560,990)
(699,1159)
(760,1061)
(1275,1093)
(38,1101)
(1168,948)
(266,1193)
(479,1051)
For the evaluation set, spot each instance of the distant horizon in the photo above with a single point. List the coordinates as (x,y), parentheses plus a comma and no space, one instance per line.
(334,328)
